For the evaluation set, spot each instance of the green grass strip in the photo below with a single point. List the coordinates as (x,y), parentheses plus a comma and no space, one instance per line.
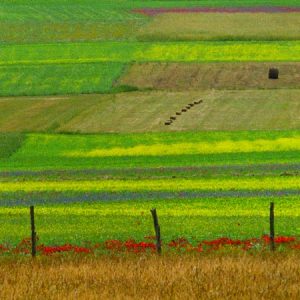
(50,151)
(52,79)
(10,143)
(149,51)
(198,218)
(224,184)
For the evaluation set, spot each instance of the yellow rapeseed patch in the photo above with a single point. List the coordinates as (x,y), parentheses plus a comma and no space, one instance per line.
(231,51)
(265,183)
(228,146)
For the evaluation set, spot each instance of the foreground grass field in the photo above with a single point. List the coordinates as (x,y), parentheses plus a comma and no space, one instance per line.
(96,217)
(179,277)
(204,185)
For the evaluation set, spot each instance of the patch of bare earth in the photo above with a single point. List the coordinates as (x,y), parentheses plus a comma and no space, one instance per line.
(194,76)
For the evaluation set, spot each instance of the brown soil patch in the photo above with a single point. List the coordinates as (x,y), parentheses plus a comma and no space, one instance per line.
(186,76)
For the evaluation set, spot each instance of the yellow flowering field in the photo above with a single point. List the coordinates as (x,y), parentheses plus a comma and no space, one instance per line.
(227,146)
(264,183)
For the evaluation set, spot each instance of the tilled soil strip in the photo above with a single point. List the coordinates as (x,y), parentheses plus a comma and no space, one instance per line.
(229,10)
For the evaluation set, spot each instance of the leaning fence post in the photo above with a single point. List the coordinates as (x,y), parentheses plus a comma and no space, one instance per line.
(272,228)
(33,233)
(157,230)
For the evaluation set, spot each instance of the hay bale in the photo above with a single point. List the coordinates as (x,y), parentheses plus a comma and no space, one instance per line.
(178,113)
(183,110)
(173,118)
(273,73)
(168,123)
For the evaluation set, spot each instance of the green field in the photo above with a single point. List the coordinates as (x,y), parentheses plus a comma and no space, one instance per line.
(151,150)
(196,219)
(46,47)
(154,51)
(40,69)
(85,90)
(203,184)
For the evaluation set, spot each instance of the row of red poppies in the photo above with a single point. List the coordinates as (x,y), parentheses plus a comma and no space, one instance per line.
(180,244)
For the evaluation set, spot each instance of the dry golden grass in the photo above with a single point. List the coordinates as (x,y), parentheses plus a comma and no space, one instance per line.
(221,276)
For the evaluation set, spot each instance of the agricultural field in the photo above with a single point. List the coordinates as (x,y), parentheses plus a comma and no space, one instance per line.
(108,183)
(46,47)
(144,111)
(138,278)
(109,109)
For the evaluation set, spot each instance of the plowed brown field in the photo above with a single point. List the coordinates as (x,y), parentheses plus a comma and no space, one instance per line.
(185,76)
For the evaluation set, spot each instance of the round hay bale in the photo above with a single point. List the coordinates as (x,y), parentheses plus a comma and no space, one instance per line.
(183,110)
(173,118)
(273,73)
(178,113)
(168,123)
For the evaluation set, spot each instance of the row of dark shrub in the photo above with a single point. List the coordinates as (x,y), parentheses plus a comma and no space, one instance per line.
(185,109)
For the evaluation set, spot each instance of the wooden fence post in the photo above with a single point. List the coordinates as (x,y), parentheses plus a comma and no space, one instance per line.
(157,230)
(272,228)
(33,233)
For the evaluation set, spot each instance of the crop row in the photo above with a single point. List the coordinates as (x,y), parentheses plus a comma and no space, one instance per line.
(97,221)
(55,10)
(112,151)
(206,184)
(226,146)
(149,51)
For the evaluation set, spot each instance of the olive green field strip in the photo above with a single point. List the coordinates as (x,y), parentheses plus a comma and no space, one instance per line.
(220,26)
(147,111)
(118,25)
(19,10)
